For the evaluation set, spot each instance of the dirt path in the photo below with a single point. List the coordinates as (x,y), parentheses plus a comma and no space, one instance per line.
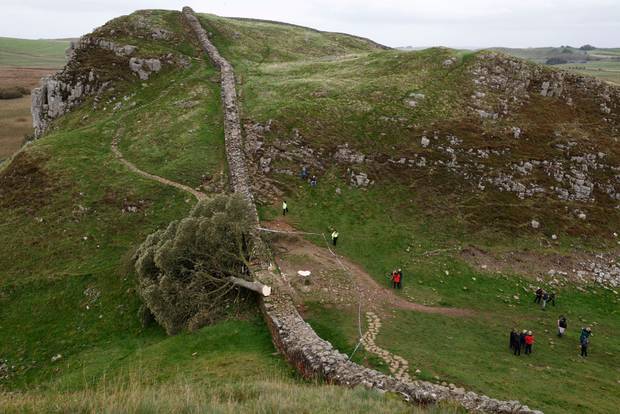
(165,181)
(331,283)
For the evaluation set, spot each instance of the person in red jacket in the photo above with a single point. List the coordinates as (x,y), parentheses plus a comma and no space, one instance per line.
(529,341)
(395,280)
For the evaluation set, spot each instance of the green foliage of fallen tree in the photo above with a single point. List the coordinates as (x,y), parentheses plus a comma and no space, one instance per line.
(186,271)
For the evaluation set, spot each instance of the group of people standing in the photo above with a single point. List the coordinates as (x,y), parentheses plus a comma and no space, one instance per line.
(304,174)
(397,278)
(525,339)
(521,341)
(543,297)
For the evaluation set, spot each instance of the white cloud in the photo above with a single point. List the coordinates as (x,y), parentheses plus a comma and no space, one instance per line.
(453,23)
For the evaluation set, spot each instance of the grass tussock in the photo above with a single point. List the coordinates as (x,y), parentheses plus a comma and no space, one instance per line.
(266,396)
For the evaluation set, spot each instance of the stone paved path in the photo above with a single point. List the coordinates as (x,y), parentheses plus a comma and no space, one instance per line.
(399,367)
(199,195)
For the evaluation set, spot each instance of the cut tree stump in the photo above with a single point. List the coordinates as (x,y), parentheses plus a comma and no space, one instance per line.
(255,286)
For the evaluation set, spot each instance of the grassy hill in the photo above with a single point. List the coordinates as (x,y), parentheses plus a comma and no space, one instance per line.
(28,53)
(72,216)
(311,106)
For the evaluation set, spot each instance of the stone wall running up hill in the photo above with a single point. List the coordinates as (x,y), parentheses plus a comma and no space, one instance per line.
(312,356)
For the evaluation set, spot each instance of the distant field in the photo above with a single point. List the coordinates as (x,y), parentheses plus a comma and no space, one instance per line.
(15,117)
(603,64)
(22,63)
(605,70)
(32,53)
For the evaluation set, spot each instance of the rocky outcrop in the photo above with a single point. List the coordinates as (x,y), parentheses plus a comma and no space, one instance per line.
(55,96)
(312,356)
(144,67)
(92,41)
(59,93)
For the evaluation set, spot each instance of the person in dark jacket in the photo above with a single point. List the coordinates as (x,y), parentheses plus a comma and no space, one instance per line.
(552,298)
(562,325)
(584,340)
(539,295)
(529,342)
(313,181)
(400,278)
(522,339)
(545,298)
(514,342)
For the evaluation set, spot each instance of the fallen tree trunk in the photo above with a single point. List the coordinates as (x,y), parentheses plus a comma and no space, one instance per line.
(255,286)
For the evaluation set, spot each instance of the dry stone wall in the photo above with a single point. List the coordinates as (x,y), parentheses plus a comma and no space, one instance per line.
(312,356)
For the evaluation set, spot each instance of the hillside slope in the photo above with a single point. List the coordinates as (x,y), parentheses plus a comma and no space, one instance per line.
(32,53)
(481,175)
(73,214)
(438,162)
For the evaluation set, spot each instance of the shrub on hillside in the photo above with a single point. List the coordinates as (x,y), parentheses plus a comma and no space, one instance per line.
(13,92)
(184,270)
(587,47)
(556,61)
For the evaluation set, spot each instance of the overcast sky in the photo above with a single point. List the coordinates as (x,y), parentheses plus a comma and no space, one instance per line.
(453,23)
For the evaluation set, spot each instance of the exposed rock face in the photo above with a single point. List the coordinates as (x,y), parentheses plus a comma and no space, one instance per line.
(92,41)
(61,92)
(303,348)
(56,96)
(144,67)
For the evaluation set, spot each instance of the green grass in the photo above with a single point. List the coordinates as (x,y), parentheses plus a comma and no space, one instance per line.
(472,352)
(32,53)
(67,286)
(191,396)
(345,97)
(67,260)
(69,239)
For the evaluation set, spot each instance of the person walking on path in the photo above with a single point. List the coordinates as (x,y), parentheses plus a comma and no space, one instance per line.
(284,208)
(545,298)
(562,325)
(514,342)
(539,294)
(400,278)
(334,237)
(529,341)
(584,340)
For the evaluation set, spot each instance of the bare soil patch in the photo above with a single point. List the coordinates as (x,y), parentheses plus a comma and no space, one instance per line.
(563,268)
(25,184)
(330,284)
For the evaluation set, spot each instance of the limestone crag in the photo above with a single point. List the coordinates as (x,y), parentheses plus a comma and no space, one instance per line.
(59,93)
(55,96)
(93,41)
(144,67)
(312,356)
(507,83)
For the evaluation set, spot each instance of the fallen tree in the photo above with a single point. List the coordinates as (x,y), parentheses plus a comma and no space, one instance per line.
(188,271)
